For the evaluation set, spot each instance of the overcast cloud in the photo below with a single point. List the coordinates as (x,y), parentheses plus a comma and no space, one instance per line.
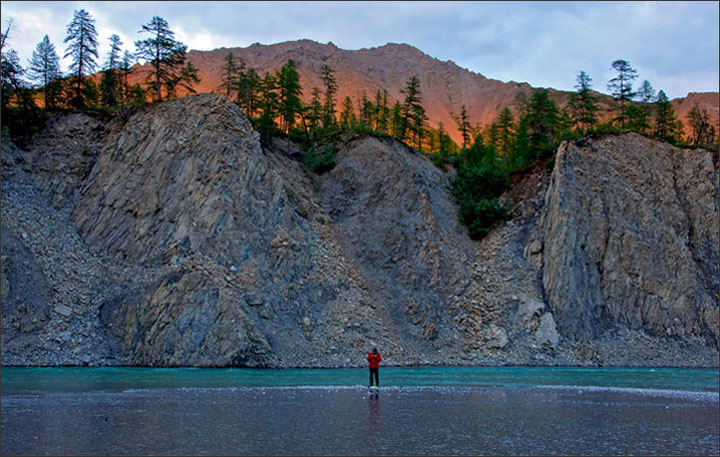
(674,45)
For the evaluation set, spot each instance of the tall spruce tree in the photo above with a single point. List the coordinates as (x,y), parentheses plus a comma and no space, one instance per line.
(44,69)
(82,48)
(621,87)
(165,55)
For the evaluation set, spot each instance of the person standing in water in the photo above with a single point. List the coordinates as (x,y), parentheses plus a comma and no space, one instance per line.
(374,359)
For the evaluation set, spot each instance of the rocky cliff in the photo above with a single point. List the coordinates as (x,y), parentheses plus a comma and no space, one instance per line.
(170,236)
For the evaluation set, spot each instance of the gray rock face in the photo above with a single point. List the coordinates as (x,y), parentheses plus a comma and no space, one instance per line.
(631,239)
(180,240)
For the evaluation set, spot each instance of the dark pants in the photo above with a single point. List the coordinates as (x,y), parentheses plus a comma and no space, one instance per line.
(374,371)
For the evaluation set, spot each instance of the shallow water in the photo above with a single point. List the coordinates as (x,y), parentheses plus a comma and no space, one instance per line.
(426,411)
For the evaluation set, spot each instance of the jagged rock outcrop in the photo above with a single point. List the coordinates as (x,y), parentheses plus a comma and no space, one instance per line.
(170,236)
(630,239)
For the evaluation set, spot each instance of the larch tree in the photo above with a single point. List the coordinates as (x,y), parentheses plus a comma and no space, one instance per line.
(347,116)
(665,119)
(125,70)
(82,49)
(463,123)
(44,70)
(699,122)
(328,78)
(621,86)
(248,88)
(231,73)
(583,104)
(411,105)
(110,82)
(290,91)
(165,55)
(542,123)
(186,79)
(505,130)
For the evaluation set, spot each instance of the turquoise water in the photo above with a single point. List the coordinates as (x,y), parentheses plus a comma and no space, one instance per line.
(84,379)
(418,411)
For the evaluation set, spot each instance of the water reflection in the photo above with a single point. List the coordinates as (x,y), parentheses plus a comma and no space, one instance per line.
(374,411)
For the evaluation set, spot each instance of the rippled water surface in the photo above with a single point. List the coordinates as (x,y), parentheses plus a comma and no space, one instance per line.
(423,411)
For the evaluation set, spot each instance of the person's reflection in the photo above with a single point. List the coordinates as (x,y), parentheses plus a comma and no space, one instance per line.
(374,410)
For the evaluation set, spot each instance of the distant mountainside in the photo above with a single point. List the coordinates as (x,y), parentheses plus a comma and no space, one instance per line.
(444,85)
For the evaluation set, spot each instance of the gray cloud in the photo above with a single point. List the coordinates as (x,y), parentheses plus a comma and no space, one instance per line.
(672,44)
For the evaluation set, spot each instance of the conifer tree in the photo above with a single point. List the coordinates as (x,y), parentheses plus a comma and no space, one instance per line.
(542,123)
(44,69)
(125,70)
(165,55)
(331,87)
(411,105)
(82,49)
(505,126)
(665,119)
(110,81)
(268,104)
(396,121)
(583,104)
(186,79)
(316,110)
(646,92)
(347,116)
(699,122)
(290,90)
(231,73)
(621,86)
(11,77)
(419,121)
(379,114)
(464,126)
(367,112)
(248,89)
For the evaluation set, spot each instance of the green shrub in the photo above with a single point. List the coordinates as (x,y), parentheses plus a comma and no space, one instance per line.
(320,159)
(480,180)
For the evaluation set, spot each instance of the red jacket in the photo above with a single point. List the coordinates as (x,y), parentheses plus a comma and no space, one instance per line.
(374,360)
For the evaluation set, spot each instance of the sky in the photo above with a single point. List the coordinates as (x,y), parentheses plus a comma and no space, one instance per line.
(674,45)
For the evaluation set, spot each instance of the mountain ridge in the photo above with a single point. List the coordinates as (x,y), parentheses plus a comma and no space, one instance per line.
(445,86)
